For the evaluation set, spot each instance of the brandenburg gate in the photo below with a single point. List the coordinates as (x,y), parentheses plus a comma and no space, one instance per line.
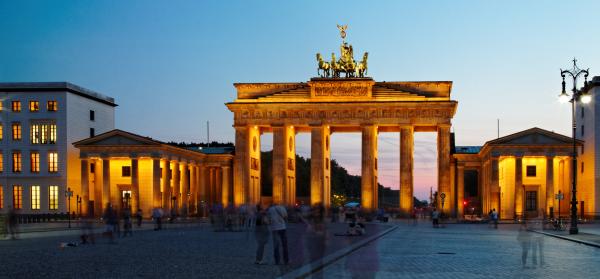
(334,104)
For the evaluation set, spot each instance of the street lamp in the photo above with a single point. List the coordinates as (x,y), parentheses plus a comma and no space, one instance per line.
(69,194)
(584,98)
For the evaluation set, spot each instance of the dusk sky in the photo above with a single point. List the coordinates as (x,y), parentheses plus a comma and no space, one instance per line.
(170,65)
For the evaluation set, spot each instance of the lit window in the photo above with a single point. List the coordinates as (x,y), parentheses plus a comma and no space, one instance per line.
(1,162)
(531,171)
(35,197)
(52,137)
(52,162)
(52,106)
(1,197)
(17,196)
(35,161)
(92,115)
(16,131)
(34,106)
(43,133)
(1,131)
(16,157)
(16,106)
(53,197)
(126,171)
(1,107)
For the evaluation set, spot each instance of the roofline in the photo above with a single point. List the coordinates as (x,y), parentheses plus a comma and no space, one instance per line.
(54,87)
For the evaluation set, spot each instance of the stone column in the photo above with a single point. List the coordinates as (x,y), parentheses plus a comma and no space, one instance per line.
(443,145)
(193,189)
(320,172)
(493,190)
(241,166)
(460,190)
(97,175)
(406,169)
(284,163)
(211,183)
(519,210)
(166,186)
(203,191)
(226,187)
(106,195)
(135,185)
(85,187)
(550,184)
(156,196)
(218,185)
(369,167)
(185,188)
(175,190)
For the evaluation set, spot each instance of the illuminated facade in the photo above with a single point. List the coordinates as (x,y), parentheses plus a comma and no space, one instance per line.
(336,105)
(519,175)
(129,170)
(588,159)
(39,123)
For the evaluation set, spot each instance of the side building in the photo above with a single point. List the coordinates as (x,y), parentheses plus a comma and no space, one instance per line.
(588,159)
(38,124)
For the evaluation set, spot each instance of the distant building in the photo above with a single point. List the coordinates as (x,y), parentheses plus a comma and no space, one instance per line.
(588,160)
(518,175)
(39,123)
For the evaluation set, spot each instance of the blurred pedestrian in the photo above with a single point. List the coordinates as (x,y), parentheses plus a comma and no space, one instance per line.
(277,217)
(138,217)
(524,239)
(87,229)
(157,215)
(111,219)
(494,216)
(13,224)
(261,233)
(127,223)
(435,217)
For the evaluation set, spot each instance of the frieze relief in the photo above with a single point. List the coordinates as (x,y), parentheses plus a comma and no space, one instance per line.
(343,114)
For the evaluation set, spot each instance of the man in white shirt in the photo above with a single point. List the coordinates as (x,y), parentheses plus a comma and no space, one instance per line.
(277,216)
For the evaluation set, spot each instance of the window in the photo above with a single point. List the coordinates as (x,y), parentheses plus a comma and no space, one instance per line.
(582,130)
(1,131)
(52,106)
(52,162)
(126,171)
(53,197)
(92,115)
(17,196)
(34,106)
(43,133)
(16,106)
(92,132)
(16,161)
(531,171)
(1,106)
(35,161)
(1,162)
(1,197)
(35,197)
(582,167)
(16,131)
(92,168)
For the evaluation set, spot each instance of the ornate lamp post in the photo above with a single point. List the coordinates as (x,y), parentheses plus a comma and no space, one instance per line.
(585,98)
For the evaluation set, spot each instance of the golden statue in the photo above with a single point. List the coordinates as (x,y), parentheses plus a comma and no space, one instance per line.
(342,29)
(346,64)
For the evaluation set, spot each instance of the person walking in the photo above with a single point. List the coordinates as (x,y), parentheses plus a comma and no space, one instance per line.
(277,217)
(494,216)
(127,224)
(524,239)
(138,217)
(435,217)
(261,233)
(157,216)
(110,218)
(13,224)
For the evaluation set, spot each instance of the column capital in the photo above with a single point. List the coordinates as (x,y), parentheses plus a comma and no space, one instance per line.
(442,126)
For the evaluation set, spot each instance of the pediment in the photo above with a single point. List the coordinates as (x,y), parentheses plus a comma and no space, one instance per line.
(115,138)
(533,136)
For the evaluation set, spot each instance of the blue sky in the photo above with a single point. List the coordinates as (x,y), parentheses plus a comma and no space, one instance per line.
(170,64)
